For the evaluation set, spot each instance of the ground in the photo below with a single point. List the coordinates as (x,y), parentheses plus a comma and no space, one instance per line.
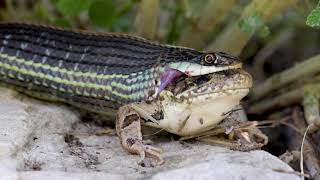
(40,140)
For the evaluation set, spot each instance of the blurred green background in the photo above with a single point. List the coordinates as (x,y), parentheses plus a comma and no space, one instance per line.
(169,21)
(270,36)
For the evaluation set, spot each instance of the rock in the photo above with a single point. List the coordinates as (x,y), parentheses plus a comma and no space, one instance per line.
(40,140)
(224,164)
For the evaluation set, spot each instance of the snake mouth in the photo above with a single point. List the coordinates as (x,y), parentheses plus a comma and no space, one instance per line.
(178,71)
(222,83)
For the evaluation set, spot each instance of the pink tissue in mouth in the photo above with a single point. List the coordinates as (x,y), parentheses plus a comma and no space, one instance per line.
(168,76)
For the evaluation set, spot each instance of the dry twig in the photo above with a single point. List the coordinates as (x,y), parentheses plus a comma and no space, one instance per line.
(306,68)
(287,98)
(310,158)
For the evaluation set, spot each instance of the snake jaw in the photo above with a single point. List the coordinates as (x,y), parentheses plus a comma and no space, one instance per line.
(168,77)
(176,70)
(192,69)
(200,107)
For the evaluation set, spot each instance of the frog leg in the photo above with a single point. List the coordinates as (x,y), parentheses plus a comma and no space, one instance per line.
(250,139)
(128,127)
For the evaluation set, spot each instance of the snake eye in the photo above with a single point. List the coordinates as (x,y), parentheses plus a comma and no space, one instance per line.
(210,58)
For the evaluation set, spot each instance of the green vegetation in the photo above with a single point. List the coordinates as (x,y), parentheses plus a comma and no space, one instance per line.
(278,41)
(313,19)
(202,24)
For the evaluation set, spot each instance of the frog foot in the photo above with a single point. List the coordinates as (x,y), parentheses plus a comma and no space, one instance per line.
(128,128)
(243,137)
(249,138)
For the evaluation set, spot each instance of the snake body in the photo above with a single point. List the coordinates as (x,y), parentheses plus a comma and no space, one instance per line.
(99,69)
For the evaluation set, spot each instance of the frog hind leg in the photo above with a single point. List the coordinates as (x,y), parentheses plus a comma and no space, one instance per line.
(128,127)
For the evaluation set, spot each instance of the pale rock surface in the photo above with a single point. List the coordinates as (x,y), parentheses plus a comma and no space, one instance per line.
(40,140)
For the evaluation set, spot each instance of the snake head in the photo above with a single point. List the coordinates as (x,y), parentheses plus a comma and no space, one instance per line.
(206,63)
(194,63)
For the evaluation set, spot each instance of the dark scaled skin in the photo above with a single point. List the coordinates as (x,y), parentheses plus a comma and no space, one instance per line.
(107,54)
(96,72)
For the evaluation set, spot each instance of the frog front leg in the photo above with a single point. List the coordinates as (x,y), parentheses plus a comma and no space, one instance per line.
(128,127)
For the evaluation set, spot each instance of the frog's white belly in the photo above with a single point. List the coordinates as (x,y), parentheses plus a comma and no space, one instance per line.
(202,114)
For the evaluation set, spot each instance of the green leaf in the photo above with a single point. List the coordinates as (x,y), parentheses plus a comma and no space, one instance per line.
(72,7)
(313,18)
(250,24)
(264,31)
(62,23)
(245,26)
(102,13)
